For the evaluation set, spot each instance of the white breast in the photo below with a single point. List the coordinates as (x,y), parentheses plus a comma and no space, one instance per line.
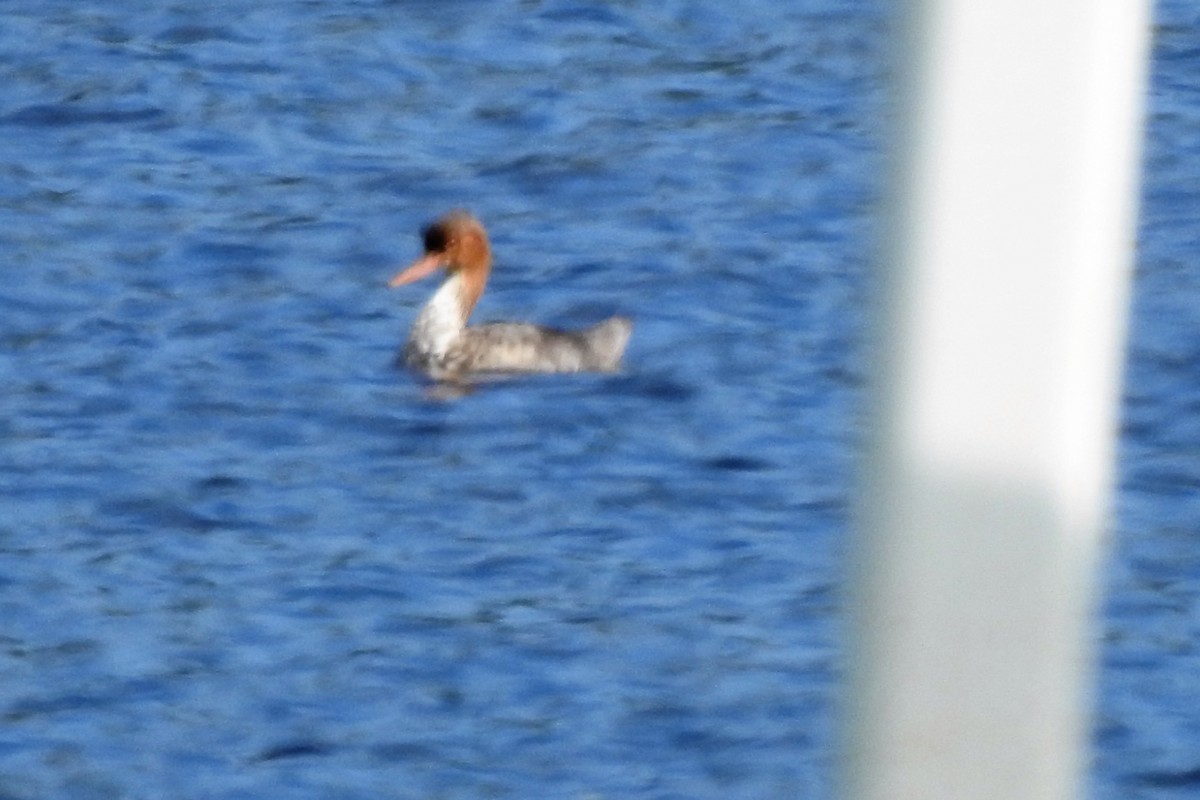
(439,324)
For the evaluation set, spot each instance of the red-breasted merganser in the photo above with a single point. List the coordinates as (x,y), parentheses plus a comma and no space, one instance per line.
(443,347)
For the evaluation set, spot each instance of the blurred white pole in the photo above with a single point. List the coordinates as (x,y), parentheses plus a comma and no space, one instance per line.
(1007,250)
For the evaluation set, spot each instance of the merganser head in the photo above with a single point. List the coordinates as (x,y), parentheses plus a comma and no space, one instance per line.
(455,242)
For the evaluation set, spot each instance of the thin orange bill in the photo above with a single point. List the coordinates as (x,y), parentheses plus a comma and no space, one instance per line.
(423,266)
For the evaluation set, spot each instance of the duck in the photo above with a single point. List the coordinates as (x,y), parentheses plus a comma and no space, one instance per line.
(443,347)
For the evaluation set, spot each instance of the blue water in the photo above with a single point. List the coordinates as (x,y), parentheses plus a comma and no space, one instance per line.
(1148,716)
(242,556)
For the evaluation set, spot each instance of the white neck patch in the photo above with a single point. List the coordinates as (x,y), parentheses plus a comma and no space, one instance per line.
(440,321)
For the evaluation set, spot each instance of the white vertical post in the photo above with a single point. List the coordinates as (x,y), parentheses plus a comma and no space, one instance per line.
(1002,292)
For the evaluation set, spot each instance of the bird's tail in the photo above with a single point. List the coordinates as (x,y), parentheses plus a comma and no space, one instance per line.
(606,342)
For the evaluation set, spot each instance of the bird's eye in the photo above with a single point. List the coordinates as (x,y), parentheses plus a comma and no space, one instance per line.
(435,240)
